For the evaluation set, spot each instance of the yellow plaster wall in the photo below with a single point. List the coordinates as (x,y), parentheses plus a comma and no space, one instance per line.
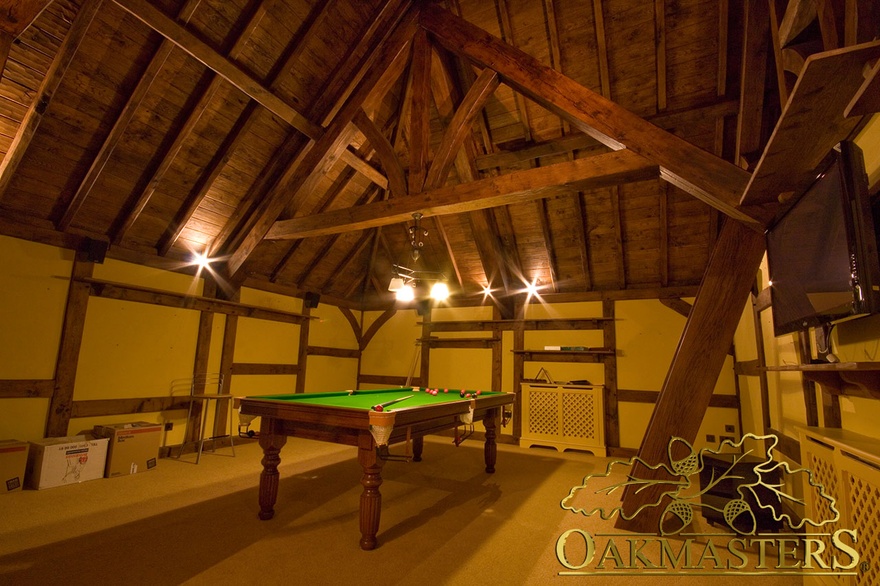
(392,350)
(648,333)
(264,341)
(32,300)
(132,350)
(461,368)
(331,329)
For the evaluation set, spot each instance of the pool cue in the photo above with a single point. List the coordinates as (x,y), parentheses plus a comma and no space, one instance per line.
(381,406)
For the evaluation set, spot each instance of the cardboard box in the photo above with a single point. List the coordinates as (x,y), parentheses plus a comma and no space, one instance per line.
(57,461)
(133,447)
(13,463)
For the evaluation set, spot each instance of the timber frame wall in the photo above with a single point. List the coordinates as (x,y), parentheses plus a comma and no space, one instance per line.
(606,355)
(83,286)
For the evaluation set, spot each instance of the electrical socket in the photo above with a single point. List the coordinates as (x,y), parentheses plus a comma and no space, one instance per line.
(169,426)
(710,438)
(727,437)
(730,428)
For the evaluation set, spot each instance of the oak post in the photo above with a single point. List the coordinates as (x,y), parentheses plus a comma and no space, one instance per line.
(698,360)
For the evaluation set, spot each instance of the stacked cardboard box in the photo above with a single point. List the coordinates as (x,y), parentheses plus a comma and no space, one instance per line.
(133,448)
(13,463)
(57,461)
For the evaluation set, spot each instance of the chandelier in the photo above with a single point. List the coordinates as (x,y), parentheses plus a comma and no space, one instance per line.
(405,280)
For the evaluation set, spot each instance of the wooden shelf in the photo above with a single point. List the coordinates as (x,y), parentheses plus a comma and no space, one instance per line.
(588,323)
(857,379)
(812,122)
(459,342)
(588,355)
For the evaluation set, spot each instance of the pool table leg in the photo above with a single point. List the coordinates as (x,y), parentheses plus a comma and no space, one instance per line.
(490,449)
(271,440)
(371,498)
(418,444)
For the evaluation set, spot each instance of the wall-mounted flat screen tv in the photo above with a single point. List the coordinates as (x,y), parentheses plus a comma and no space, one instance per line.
(822,253)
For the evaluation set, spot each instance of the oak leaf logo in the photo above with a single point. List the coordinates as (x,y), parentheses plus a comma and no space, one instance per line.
(759,481)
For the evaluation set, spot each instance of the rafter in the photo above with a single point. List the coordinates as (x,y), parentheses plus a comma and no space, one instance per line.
(385,152)
(601,49)
(28,127)
(617,228)
(17,15)
(460,126)
(198,105)
(541,214)
(660,43)
(582,234)
(235,137)
(231,72)
(331,97)
(288,187)
(522,110)
(420,111)
(458,112)
(342,267)
(458,149)
(664,234)
(74,203)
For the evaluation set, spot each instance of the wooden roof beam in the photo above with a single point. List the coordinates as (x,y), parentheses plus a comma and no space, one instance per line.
(332,97)
(660,43)
(702,174)
(522,110)
(198,103)
(18,15)
(457,147)
(580,141)
(664,234)
(385,152)
(601,49)
(288,188)
(157,62)
(549,251)
(234,138)
(420,112)
(158,21)
(341,267)
(34,116)
(460,127)
(751,94)
(618,237)
(583,236)
(517,187)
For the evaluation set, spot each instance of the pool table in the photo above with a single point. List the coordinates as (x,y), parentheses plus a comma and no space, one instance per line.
(352,418)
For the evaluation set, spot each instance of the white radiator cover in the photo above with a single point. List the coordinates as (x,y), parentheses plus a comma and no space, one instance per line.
(564,417)
(848,466)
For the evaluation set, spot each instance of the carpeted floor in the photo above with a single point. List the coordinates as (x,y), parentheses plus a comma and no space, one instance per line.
(444,521)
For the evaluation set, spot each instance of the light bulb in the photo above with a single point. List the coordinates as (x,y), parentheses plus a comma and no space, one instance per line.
(440,291)
(405,293)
